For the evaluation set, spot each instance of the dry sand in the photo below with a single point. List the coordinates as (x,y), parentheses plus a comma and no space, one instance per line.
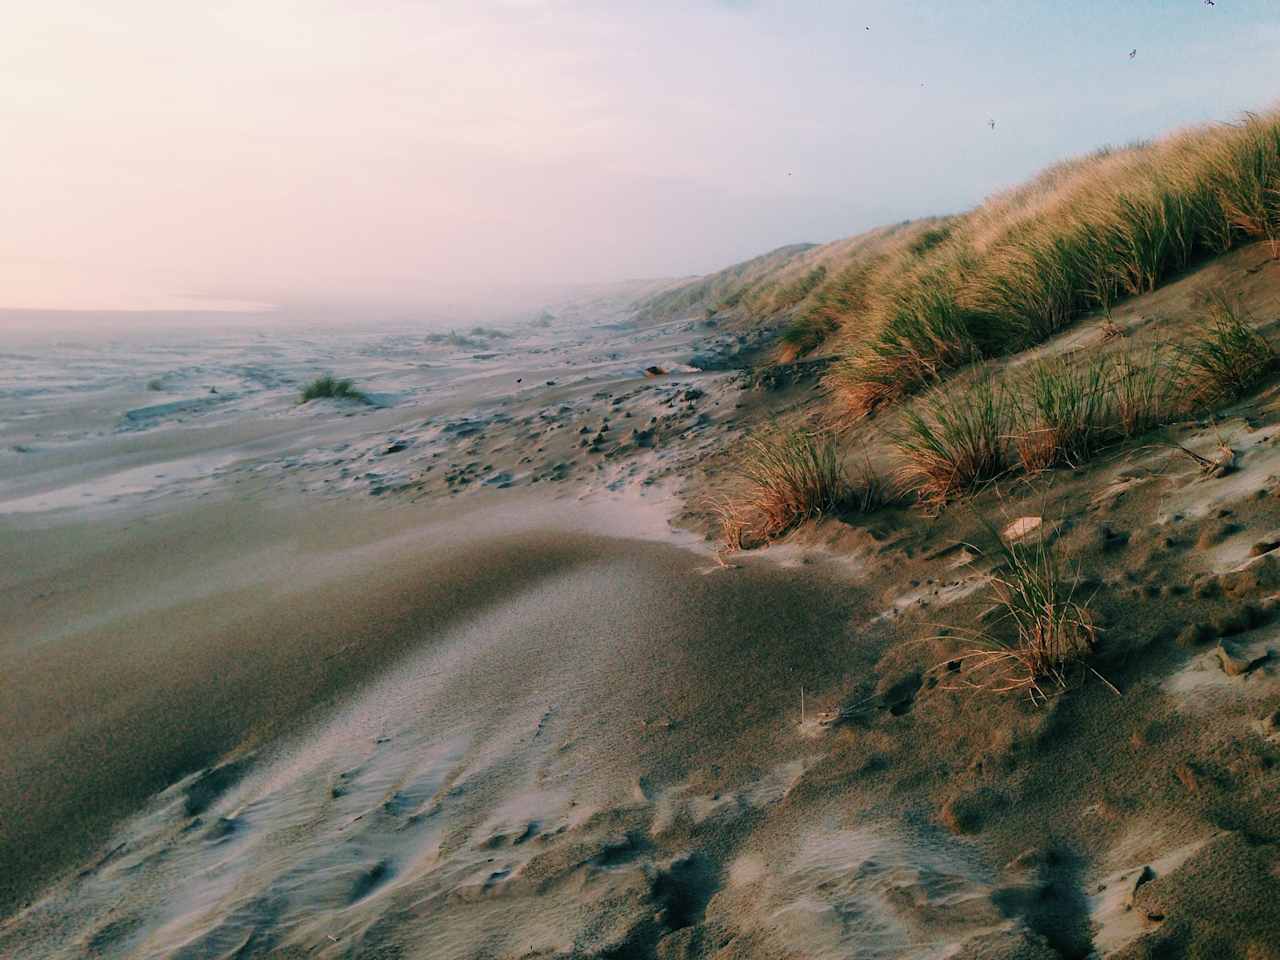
(329,702)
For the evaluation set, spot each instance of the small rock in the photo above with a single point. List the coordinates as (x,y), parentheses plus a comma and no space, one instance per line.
(1234,662)
(1145,875)
(1021,527)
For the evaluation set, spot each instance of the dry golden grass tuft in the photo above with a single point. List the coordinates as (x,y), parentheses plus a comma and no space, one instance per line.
(1044,631)
(734,521)
(787,478)
(790,477)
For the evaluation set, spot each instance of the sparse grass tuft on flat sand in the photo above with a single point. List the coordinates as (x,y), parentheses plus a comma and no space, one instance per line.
(327,386)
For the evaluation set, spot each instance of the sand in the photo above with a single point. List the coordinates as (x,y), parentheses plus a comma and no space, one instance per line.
(312,697)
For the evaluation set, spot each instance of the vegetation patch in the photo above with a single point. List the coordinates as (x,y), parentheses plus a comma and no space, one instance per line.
(1075,240)
(952,442)
(327,386)
(1063,413)
(1226,361)
(788,478)
(803,335)
(1044,628)
(1140,398)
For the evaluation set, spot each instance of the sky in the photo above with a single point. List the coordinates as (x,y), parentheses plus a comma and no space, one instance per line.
(360,153)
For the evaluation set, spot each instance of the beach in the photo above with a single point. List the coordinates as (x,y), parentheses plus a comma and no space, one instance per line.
(201,646)
(460,669)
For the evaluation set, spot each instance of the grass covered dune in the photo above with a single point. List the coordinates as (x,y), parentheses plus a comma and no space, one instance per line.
(901,306)
(1048,441)
(939,307)
(1077,239)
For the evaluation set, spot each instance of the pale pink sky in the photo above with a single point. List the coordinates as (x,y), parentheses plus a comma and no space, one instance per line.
(402,151)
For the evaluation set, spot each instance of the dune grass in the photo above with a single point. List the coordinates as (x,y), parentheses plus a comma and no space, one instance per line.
(327,386)
(802,335)
(1140,398)
(954,441)
(788,477)
(903,307)
(1063,413)
(1247,186)
(793,477)
(838,294)
(1225,361)
(928,339)
(1066,411)
(1043,630)
(1075,240)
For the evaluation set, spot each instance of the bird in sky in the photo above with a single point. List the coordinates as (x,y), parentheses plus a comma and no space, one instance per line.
(991,124)
(1133,53)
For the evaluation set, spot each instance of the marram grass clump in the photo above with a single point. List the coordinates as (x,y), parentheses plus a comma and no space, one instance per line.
(953,441)
(1225,361)
(1063,413)
(802,335)
(1066,411)
(1075,240)
(787,478)
(1042,634)
(1140,392)
(327,386)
